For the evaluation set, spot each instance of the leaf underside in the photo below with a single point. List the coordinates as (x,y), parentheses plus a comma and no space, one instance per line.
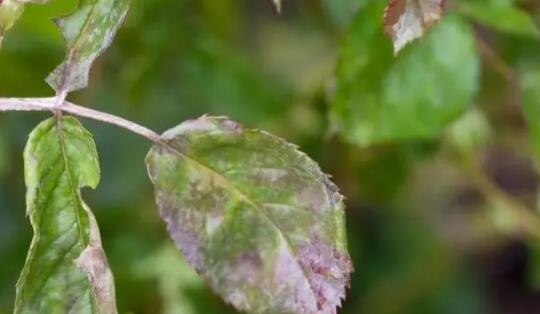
(407,20)
(66,269)
(88,32)
(253,215)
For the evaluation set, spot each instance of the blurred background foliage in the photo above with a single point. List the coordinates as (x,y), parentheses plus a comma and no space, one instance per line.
(436,149)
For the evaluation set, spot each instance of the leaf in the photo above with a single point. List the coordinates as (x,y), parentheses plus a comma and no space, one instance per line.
(253,215)
(174,277)
(380,98)
(500,15)
(340,12)
(277,3)
(407,20)
(530,94)
(88,32)
(470,133)
(66,269)
(10,12)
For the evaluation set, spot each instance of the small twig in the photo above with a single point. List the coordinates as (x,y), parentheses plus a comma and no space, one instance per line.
(496,62)
(527,220)
(49,104)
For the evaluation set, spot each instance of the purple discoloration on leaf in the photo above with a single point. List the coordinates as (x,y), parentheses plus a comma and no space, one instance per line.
(256,217)
(184,235)
(88,31)
(328,271)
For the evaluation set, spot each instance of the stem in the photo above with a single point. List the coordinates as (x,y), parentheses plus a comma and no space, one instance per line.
(496,62)
(526,219)
(49,104)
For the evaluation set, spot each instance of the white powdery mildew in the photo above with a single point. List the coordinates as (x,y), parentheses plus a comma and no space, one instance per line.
(180,230)
(289,278)
(292,288)
(328,271)
(94,27)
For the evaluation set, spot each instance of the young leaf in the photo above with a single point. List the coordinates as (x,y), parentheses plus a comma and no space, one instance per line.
(88,32)
(381,98)
(10,12)
(66,269)
(407,20)
(253,215)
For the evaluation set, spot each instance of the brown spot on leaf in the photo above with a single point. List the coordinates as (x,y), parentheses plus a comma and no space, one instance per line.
(94,263)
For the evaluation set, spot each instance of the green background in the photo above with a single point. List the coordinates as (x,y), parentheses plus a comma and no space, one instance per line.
(421,236)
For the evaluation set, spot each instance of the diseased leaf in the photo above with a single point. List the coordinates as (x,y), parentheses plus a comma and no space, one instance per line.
(66,269)
(381,98)
(253,215)
(10,12)
(277,3)
(88,32)
(407,20)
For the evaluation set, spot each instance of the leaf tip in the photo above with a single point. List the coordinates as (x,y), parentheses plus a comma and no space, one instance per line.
(277,3)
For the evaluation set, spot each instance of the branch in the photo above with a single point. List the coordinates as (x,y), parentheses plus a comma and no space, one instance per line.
(525,218)
(49,104)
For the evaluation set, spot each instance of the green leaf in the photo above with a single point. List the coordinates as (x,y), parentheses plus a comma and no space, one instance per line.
(381,98)
(470,133)
(66,269)
(256,217)
(88,32)
(340,12)
(530,83)
(10,12)
(501,15)
(174,277)
(407,20)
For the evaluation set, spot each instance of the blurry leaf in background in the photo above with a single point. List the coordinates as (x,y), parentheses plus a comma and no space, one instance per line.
(407,20)
(10,12)
(470,133)
(174,278)
(88,31)
(341,12)
(66,267)
(383,171)
(530,89)
(278,5)
(253,215)
(501,15)
(379,98)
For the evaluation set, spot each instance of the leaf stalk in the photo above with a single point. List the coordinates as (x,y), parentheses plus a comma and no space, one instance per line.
(50,104)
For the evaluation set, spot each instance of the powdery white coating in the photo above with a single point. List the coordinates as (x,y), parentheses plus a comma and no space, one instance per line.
(407,20)
(88,32)
(328,272)
(243,206)
(292,286)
